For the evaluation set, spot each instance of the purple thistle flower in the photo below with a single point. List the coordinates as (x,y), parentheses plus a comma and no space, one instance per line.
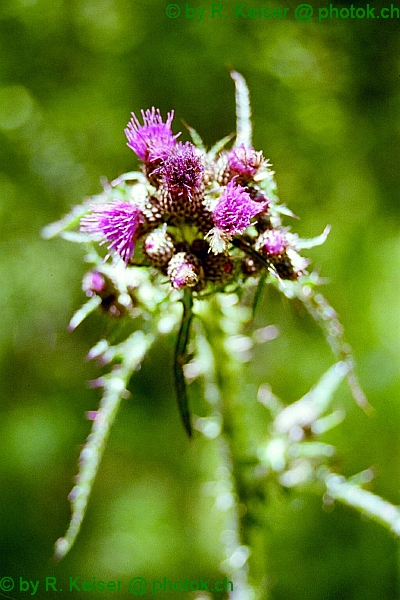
(153,140)
(244,162)
(182,171)
(235,209)
(117,223)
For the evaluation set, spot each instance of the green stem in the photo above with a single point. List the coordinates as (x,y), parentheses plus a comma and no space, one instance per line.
(245,247)
(238,446)
(180,359)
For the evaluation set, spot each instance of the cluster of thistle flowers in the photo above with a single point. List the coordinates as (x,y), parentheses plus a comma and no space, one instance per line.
(204,217)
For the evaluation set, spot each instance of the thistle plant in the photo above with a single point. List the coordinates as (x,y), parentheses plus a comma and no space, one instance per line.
(189,238)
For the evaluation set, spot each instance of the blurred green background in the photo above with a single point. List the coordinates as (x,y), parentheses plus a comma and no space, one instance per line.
(326,111)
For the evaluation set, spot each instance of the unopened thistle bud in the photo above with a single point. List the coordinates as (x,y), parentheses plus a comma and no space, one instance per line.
(289,265)
(277,246)
(158,247)
(183,270)
(240,162)
(271,243)
(200,248)
(244,162)
(218,268)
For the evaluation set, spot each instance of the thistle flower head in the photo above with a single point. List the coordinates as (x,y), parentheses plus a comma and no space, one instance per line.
(183,270)
(158,247)
(272,242)
(115,223)
(244,162)
(153,140)
(235,209)
(182,171)
(218,268)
